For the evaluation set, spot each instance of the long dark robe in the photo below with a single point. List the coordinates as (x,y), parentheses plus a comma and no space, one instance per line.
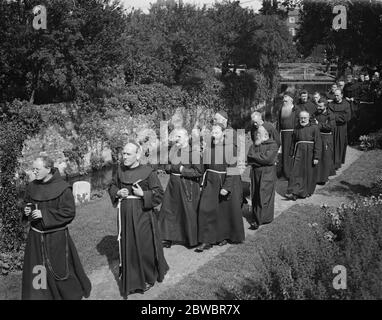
(308,106)
(272,131)
(178,214)
(66,278)
(342,115)
(220,217)
(262,159)
(141,253)
(285,126)
(303,179)
(326,124)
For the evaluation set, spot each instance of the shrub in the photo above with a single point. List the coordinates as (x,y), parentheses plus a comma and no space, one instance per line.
(302,268)
(18,121)
(376,187)
(371,141)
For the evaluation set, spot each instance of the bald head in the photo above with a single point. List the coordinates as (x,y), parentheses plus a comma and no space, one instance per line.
(131,154)
(181,137)
(257,119)
(261,135)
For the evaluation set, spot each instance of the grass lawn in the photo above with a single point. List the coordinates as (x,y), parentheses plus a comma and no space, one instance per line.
(241,263)
(358,178)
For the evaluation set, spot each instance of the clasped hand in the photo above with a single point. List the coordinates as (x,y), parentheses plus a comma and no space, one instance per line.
(36,214)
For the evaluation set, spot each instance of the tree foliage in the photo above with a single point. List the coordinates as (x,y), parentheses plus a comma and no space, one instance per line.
(360,43)
(79,49)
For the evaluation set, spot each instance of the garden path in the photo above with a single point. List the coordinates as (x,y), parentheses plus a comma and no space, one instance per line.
(183,261)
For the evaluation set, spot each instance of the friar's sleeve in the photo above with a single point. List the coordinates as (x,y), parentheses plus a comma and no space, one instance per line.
(63,214)
(263,158)
(326,126)
(153,196)
(231,164)
(317,144)
(114,188)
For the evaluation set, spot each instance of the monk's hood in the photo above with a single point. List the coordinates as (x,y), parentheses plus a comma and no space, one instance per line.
(52,189)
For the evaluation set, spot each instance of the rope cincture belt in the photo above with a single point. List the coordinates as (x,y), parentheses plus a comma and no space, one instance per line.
(120,228)
(45,257)
(205,174)
(297,143)
(328,133)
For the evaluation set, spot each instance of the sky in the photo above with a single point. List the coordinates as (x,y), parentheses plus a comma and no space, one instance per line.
(145,4)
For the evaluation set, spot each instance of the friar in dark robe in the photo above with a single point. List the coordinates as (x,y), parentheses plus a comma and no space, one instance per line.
(50,208)
(306,152)
(304,104)
(135,190)
(285,125)
(330,94)
(342,115)
(262,157)
(257,121)
(326,123)
(220,217)
(178,213)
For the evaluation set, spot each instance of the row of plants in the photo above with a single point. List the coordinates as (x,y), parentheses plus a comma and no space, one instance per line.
(303,267)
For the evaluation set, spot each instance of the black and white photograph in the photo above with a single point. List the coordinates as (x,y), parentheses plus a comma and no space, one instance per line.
(193,153)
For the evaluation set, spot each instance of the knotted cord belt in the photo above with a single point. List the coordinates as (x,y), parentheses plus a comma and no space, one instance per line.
(120,229)
(45,256)
(297,143)
(210,170)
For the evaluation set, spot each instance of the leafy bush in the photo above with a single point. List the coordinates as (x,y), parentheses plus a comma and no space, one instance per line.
(371,141)
(302,268)
(376,187)
(19,120)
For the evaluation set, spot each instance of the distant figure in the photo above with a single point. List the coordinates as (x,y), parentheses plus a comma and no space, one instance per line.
(285,125)
(330,93)
(342,115)
(304,104)
(178,214)
(135,189)
(50,209)
(257,121)
(326,123)
(262,157)
(306,152)
(220,217)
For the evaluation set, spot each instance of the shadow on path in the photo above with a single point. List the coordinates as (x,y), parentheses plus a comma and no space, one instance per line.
(108,247)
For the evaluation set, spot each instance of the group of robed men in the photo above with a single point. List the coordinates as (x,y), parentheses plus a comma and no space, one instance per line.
(201,205)
(314,140)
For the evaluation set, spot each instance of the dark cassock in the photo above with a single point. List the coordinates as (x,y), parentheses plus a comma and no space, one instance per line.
(325,166)
(272,131)
(142,261)
(286,124)
(342,115)
(262,159)
(50,245)
(220,217)
(178,214)
(308,106)
(306,146)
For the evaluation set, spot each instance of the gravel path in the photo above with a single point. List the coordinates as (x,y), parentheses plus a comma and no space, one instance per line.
(184,261)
